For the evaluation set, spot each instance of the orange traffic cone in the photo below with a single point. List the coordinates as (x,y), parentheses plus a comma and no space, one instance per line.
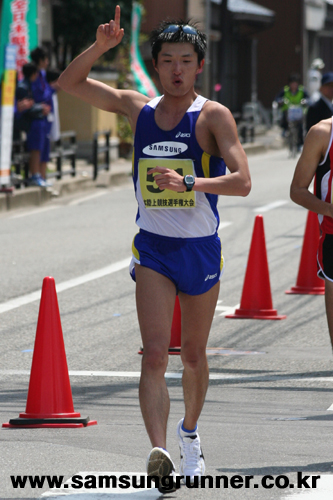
(175,342)
(256,301)
(49,402)
(308,282)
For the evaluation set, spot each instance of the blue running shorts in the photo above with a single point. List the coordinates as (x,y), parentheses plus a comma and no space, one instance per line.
(194,265)
(38,138)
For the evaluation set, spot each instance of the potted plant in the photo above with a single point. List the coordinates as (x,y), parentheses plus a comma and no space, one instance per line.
(125,137)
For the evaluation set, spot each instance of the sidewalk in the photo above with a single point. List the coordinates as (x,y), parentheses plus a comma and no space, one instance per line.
(120,170)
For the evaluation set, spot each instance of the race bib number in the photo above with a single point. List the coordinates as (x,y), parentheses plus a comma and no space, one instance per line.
(153,196)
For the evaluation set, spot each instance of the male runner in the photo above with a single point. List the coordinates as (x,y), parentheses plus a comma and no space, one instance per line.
(183,143)
(316,161)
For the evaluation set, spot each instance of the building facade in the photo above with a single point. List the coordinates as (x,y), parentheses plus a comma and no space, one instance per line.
(253,45)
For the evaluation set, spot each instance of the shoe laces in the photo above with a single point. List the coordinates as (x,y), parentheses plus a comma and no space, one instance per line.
(191,451)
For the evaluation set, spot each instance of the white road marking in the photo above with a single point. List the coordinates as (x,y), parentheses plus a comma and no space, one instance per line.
(34,212)
(80,280)
(128,493)
(65,285)
(86,198)
(330,408)
(224,224)
(323,491)
(224,310)
(178,375)
(78,201)
(270,206)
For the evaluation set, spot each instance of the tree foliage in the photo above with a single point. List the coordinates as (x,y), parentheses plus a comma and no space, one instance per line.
(75,23)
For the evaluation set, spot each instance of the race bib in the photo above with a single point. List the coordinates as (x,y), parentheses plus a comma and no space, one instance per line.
(153,196)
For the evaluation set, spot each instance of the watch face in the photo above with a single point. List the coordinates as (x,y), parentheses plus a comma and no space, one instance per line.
(189,181)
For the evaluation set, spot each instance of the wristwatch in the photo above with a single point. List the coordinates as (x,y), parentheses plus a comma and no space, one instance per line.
(189,181)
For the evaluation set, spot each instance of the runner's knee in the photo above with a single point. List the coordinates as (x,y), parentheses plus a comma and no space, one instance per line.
(193,357)
(155,358)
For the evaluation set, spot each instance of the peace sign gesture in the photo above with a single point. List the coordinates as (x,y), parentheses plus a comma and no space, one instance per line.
(110,34)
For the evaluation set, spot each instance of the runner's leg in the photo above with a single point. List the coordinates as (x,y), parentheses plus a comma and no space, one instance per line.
(155,299)
(197,316)
(329,306)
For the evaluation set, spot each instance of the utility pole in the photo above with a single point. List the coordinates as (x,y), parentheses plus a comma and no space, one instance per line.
(223,51)
(39,22)
(254,58)
(207,66)
(304,43)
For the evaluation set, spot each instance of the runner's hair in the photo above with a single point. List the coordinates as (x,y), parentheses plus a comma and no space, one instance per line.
(157,38)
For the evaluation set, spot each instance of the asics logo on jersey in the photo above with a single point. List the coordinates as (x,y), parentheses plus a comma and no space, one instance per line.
(165,148)
(211,276)
(181,134)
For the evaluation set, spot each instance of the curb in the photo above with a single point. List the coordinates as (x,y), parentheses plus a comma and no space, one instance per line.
(33,196)
(108,178)
(253,148)
(36,196)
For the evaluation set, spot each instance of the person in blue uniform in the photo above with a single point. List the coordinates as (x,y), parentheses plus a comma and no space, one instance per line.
(183,143)
(38,140)
(26,110)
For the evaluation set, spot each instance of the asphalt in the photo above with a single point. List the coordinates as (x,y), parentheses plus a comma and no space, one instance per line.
(119,170)
(268,408)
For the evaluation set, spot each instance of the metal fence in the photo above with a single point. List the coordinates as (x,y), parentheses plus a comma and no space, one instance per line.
(61,150)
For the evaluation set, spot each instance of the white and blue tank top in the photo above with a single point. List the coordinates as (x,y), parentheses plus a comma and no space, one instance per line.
(180,215)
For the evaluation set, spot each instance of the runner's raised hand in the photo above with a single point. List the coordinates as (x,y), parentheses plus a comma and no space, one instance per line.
(110,34)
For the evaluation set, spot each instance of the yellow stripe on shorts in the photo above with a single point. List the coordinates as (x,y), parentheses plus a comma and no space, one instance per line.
(135,250)
(222,260)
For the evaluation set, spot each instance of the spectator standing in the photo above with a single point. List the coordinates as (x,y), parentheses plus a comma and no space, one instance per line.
(323,108)
(26,110)
(52,78)
(38,140)
(314,79)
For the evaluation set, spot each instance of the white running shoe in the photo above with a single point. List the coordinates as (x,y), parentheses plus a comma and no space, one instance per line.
(192,461)
(159,464)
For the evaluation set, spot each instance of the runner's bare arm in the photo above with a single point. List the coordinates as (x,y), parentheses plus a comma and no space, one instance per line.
(222,128)
(74,79)
(315,146)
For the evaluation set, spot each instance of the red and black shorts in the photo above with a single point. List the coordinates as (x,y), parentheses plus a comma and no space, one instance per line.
(325,257)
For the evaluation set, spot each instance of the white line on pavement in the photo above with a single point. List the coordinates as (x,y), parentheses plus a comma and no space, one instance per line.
(270,206)
(86,198)
(224,310)
(34,212)
(65,285)
(322,491)
(178,375)
(224,224)
(121,483)
(78,201)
